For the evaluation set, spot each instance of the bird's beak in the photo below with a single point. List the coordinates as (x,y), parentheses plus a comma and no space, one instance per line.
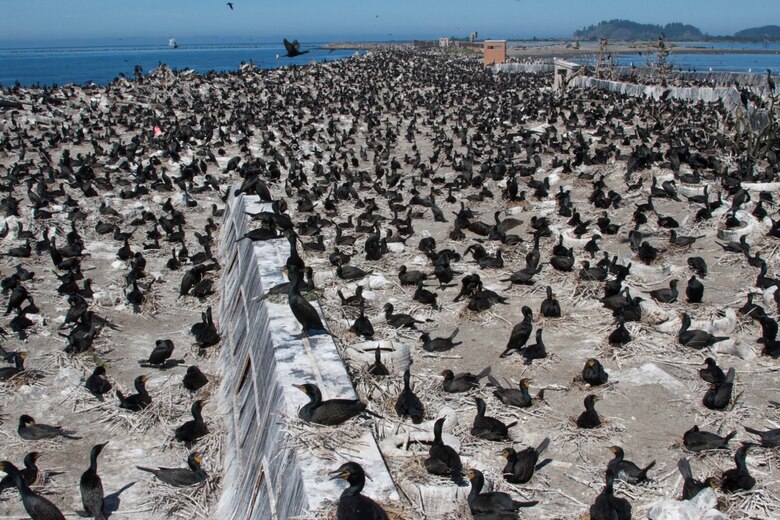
(23,355)
(301,388)
(470,474)
(339,475)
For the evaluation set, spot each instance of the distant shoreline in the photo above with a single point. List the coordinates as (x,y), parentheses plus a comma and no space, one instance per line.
(363,46)
(563,50)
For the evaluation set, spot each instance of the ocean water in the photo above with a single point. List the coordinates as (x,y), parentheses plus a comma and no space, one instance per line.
(101,64)
(743,62)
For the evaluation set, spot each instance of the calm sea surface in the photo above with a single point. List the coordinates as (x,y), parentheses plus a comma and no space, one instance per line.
(743,62)
(101,64)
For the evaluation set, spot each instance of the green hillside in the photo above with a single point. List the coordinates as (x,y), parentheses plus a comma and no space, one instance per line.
(772,32)
(628,30)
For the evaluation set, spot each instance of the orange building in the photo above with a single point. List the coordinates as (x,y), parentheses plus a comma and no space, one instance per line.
(494,51)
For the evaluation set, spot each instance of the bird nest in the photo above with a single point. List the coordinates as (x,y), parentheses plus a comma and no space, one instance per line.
(169,404)
(13,443)
(569,432)
(323,442)
(28,377)
(412,470)
(282,298)
(196,501)
(756,503)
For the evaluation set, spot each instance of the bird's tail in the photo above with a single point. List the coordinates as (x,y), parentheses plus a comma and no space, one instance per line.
(747,429)
(543,446)
(643,474)
(717,339)
(369,412)
(732,434)
(454,333)
(518,504)
(484,373)
(457,477)
(507,352)
(494,381)
(685,469)
(148,470)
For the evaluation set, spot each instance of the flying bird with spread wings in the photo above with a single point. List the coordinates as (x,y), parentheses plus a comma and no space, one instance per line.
(293,49)
(230,5)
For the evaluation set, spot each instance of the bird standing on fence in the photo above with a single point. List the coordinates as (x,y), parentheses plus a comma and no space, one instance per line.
(303,311)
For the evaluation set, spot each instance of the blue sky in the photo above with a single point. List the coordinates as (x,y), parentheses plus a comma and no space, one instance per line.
(263,20)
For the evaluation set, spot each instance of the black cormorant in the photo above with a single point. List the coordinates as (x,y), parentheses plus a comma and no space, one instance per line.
(92,487)
(352,504)
(181,476)
(38,507)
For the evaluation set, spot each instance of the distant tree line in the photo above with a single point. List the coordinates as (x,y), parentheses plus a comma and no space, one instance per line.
(628,30)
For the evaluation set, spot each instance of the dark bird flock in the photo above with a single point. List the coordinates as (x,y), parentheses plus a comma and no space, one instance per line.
(569,270)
